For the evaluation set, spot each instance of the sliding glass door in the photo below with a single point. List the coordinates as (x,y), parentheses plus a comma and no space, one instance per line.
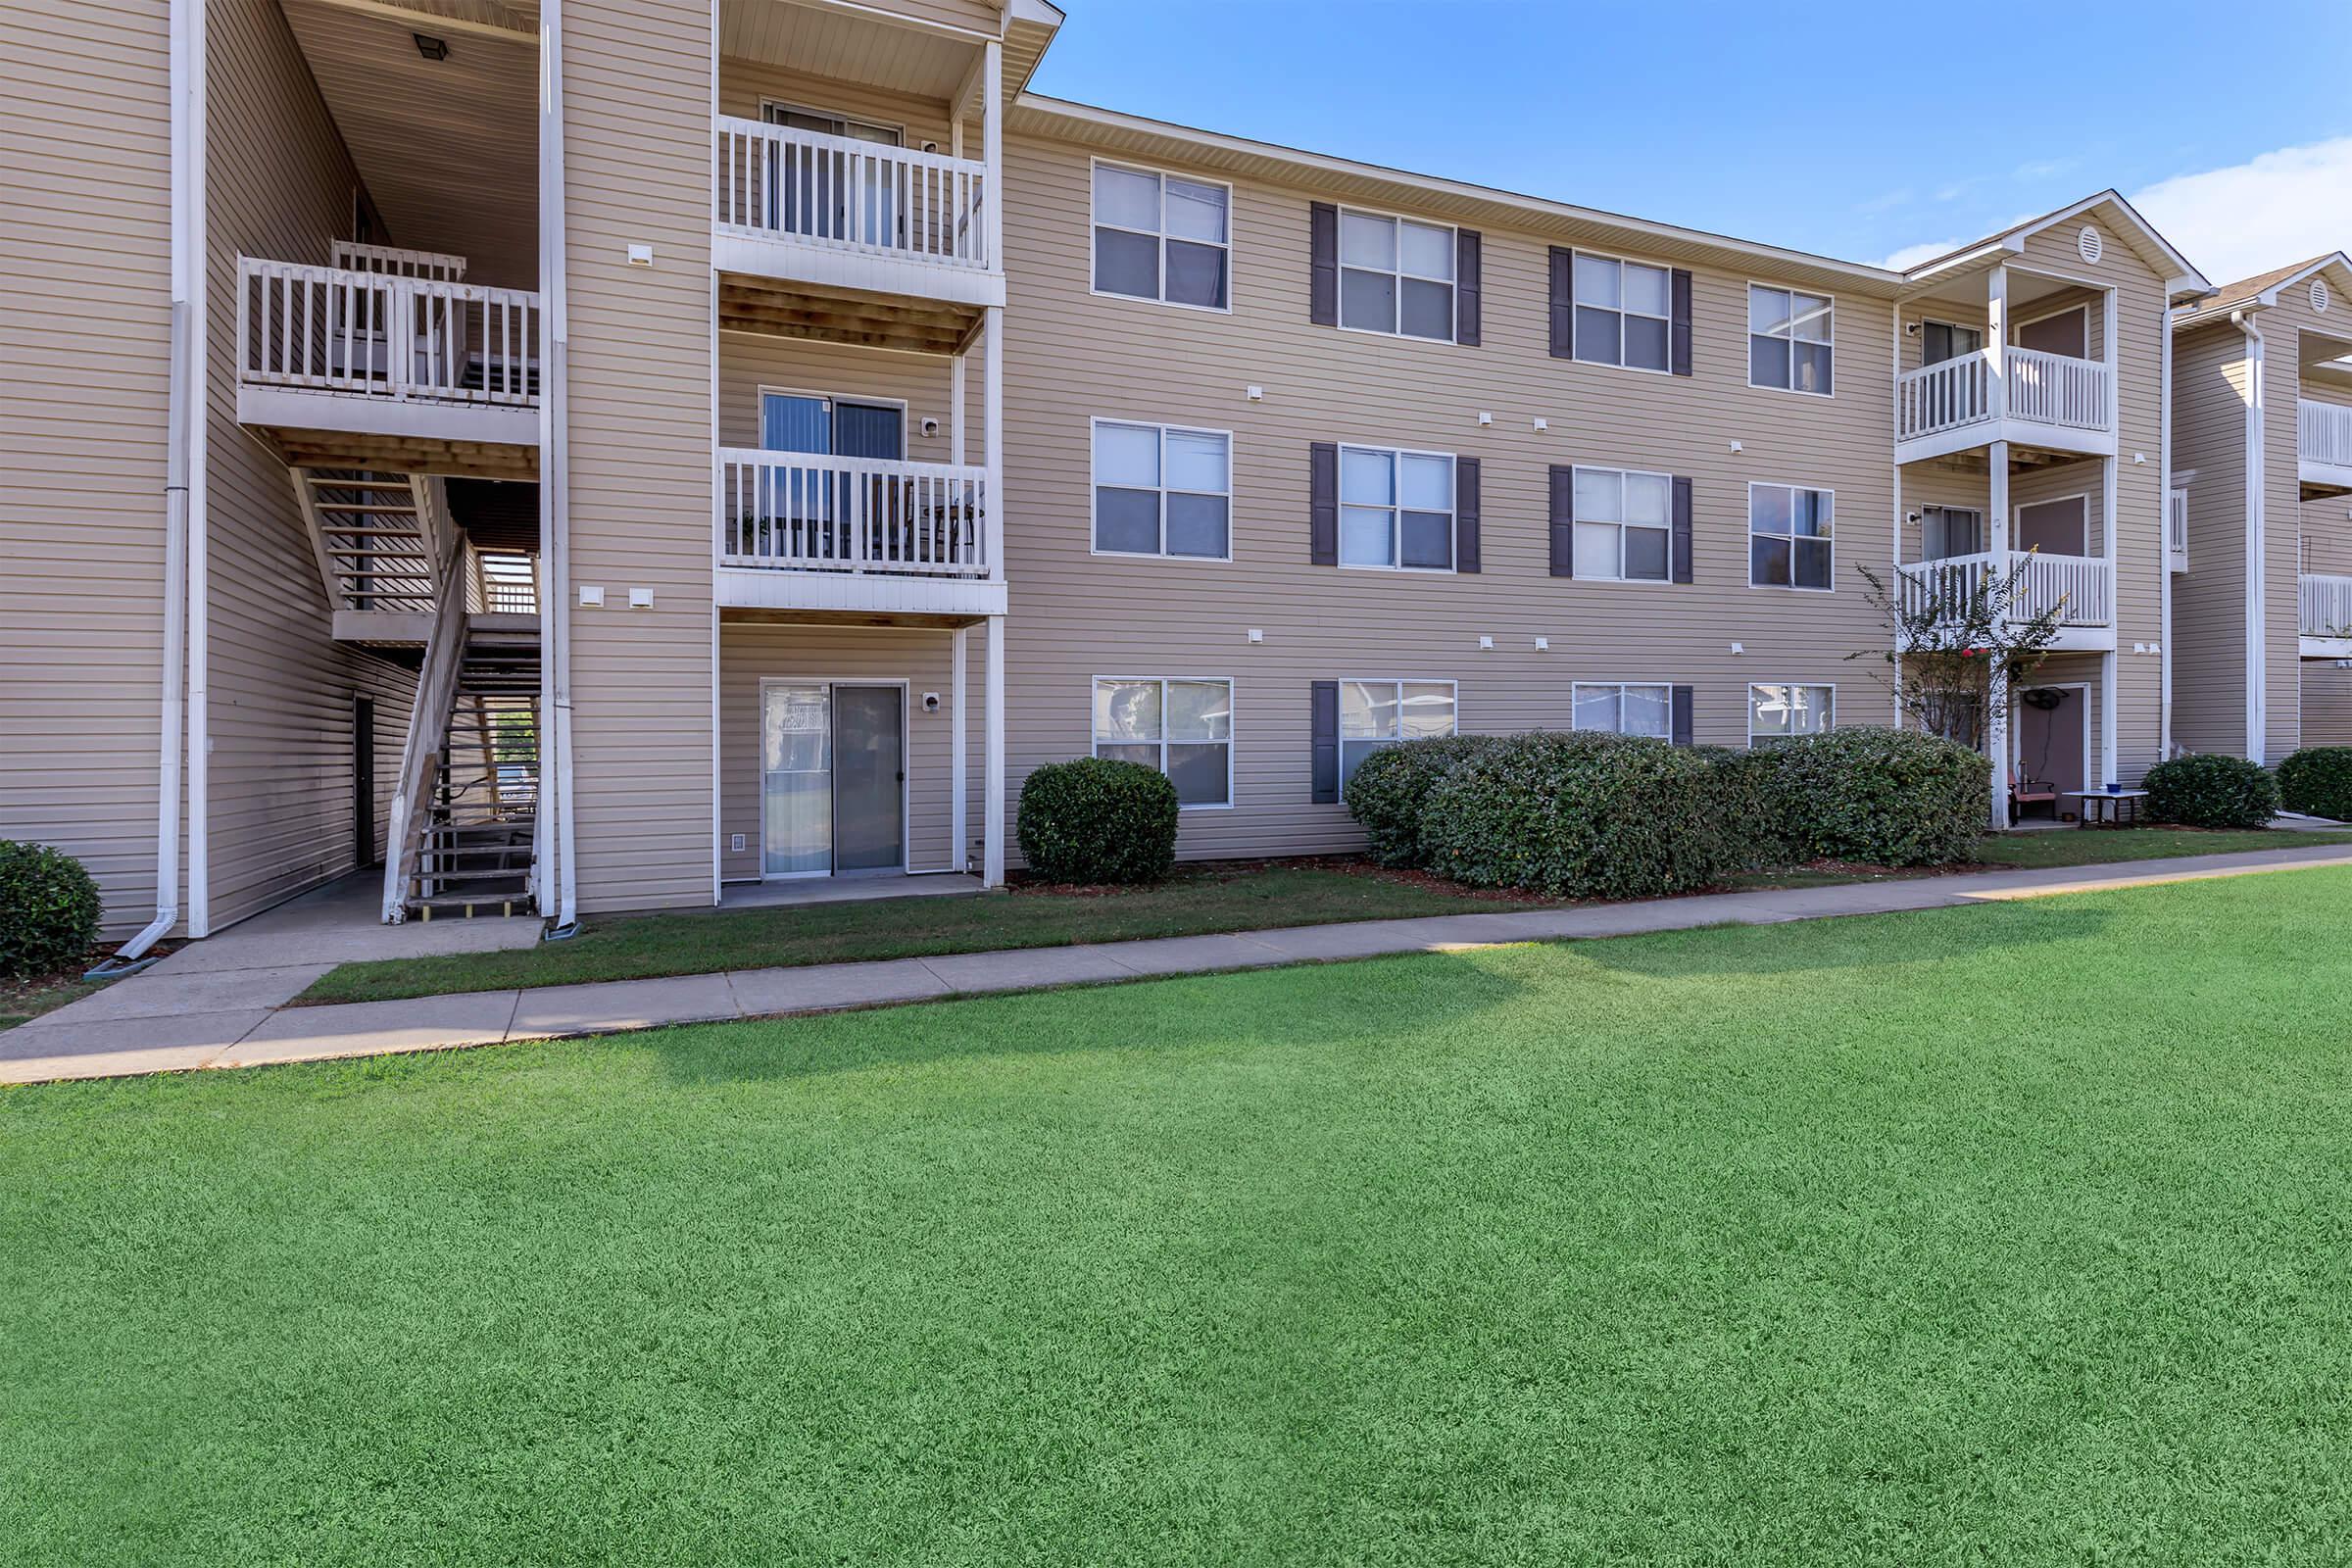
(832,778)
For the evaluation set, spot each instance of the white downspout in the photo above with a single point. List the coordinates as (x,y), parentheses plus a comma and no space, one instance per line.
(2257,692)
(196,420)
(555,498)
(2164,591)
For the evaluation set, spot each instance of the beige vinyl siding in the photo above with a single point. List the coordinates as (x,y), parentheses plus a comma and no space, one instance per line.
(2326,703)
(2209,600)
(1951,484)
(85,299)
(637,121)
(1073,356)
(281,689)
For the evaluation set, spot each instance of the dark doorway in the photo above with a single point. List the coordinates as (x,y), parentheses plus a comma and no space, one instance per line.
(363,781)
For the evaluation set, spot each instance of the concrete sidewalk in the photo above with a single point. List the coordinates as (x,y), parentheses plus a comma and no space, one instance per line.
(214,1014)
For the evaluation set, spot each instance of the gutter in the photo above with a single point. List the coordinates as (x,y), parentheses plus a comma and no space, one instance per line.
(2164,534)
(196,423)
(2257,694)
(555,492)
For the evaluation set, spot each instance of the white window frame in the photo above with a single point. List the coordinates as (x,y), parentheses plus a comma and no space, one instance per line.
(832,400)
(1094,489)
(1756,686)
(1944,512)
(2016,524)
(1340,268)
(1791,338)
(2017,329)
(1576,688)
(1233,727)
(1400,682)
(1831,538)
(1621,310)
(1667,528)
(1927,322)
(847,119)
(1397,509)
(1094,221)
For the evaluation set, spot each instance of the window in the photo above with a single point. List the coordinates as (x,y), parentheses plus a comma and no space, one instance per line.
(1788,537)
(1948,532)
(1626,710)
(1162,491)
(1395,509)
(1182,727)
(1396,276)
(1374,713)
(1621,525)
(1622,313)
(1789,336)
(1776,712)
(1161,237)
(1941,340)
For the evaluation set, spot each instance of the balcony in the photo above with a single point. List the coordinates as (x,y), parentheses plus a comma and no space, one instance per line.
(2080,588)
(802,531)
(832,213)
(2035,399)
(2324,616)
(2323,444)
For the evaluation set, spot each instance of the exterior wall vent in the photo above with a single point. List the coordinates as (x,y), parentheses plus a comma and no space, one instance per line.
(2090,244)
(2319,295)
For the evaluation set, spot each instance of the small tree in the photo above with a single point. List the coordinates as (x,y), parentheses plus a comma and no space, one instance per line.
(1957,639)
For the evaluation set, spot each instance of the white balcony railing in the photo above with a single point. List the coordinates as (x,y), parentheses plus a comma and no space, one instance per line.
(387,335)
(804,186)
(2050,389)
(797,511)
(2079,587)
(2324,433)
(2326,606)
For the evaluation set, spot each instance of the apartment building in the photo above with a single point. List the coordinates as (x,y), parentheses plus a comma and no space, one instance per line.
(2263,513)
(647,452)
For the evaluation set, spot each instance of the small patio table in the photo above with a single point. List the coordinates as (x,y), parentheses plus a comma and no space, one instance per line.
(2109,807)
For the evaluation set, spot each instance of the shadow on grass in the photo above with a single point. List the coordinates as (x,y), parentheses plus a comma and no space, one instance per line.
(1865,940)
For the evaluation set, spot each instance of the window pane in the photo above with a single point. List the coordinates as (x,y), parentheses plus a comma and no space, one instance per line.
(1367,478)
(1426,482)
(1767,362)
(1127,520)
(1126,263)
(1813,317)
(1126,198)
(1648,498)
(1598,495)
(1127,454)
(1352,754)
(1197,526)
(1368,241)
(1367,300)
(1768,710)
(1812,372)
(1199,710)
(1645,554)
(1812,563)
(1597,282)
(1597,337)
(1809,513)
(1367,710)
(1816,708)
(1364,537)
(1195,462)
(1767,310)
(1768,562)
(1126,710)
(1596,708)
(1648,711)
(1595,550)
(1199,774)
(1769,509)
(1645,343)
(1426,252)
(1148,756)
(1196,212)
(1646,290)
(1428,709)
(1428,538)
(1428,310)
(1196,274)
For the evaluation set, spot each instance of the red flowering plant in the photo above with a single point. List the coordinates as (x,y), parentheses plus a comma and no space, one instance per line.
(1956,631)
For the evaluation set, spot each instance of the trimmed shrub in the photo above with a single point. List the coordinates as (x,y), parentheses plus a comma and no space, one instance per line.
(1864,793)
(48,909)
(1093,820)
(1578,815)
(1389,788)
(2212,792)
(1756,828)
(2318,782)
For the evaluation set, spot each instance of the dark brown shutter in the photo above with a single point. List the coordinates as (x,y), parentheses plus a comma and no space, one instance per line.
(1323,270)
(1465,513)
(1466,249)
(1563,303)
(1682,715)
(1681,548)
(1563,520)
(1323,504)
(1324,703)
(1679,342)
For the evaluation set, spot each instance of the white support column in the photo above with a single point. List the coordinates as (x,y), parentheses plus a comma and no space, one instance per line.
(1996,703)
(992,439)
(992,766)
(959,852)
(1997,499)
(2107,706)
(1997,343)
(1894,569)
(956,367)
(2115,365)
(992,152)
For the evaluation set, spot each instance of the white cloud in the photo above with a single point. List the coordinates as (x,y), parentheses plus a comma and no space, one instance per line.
(2276,208)
(1911,256)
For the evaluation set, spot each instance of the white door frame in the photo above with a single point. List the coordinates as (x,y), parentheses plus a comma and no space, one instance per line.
(2090,764)
(906,770)
(2017,332)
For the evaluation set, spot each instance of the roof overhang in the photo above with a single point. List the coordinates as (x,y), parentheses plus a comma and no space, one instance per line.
(2181,276)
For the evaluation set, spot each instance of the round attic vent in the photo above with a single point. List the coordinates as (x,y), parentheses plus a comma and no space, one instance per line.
(2090,243)
(2318,294)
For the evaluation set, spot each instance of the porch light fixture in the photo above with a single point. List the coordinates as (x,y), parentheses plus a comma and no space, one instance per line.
(430,47)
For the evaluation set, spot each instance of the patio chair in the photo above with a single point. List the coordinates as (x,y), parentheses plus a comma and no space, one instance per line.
(2025,792)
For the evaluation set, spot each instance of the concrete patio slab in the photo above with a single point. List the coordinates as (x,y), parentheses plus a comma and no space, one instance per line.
(613,1004)
(116,1048)
(825,987)
(376,1028)
(164,996)
(1024,968)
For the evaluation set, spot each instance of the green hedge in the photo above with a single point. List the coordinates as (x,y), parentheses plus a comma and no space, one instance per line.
(2318,782)
(2212,792)
(1092,821)
(1862,793)
(48,911)
(1389,788)
(1578,815)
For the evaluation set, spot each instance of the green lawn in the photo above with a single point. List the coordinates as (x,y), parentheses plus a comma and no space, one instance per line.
(2105,846)
(2012,1234)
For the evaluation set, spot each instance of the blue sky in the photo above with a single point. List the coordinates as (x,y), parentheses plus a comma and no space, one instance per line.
(1859,130)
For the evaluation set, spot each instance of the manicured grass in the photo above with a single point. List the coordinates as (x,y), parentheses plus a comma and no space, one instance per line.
(2104,846)
(2010,1234)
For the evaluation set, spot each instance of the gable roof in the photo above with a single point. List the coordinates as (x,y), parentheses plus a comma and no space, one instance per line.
(2180,274)
(2262,289)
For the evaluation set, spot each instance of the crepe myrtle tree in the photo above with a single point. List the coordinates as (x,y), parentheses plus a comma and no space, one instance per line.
(1957,644)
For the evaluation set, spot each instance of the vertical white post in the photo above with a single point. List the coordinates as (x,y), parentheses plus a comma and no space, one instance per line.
(959,852)
(992,442)
(992,766)
(1894,558)
(1997,343)
(1996,701)
(2115,369)
(991,149)
(955,410)
(2107,702)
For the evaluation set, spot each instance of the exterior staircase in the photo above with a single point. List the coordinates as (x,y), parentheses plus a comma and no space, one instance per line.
(477,834)
(378,549)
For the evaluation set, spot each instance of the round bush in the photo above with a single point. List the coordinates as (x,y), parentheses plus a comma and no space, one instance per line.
(1094,820)
(2212,792)
(1885,796)
(48,909)
(1388,790)
(1577,815)
(2318,782)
